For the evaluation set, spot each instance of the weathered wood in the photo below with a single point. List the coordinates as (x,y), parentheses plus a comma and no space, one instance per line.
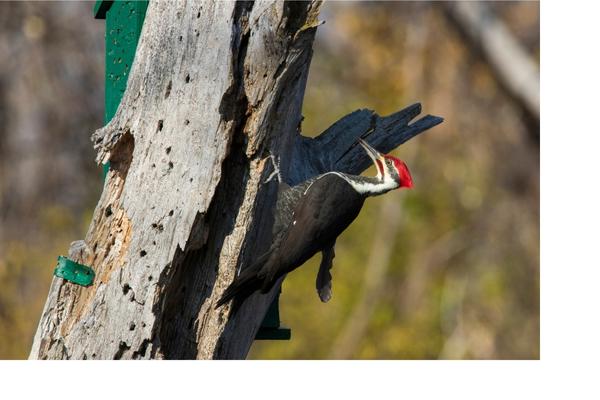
(215,89)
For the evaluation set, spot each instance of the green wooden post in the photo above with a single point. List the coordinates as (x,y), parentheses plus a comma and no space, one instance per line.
(124,21)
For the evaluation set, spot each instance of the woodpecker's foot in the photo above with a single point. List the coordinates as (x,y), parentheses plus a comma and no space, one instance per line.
(324,275)
(325,293)
(276,172)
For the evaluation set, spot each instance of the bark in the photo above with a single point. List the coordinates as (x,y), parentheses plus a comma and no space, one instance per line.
(215,89)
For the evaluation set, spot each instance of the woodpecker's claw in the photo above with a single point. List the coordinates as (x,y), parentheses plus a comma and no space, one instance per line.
(276,172)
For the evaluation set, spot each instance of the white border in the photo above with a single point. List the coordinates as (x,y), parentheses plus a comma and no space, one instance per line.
(570,283)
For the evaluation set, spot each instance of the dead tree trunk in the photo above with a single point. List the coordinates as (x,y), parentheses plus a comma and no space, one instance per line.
(216,87)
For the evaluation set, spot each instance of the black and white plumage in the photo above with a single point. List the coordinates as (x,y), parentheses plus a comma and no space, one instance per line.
(308,218)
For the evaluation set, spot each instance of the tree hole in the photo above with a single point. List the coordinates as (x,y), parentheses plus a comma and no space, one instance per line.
(170,84)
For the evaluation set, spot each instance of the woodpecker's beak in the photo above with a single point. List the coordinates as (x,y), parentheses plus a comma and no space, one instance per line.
(376,156)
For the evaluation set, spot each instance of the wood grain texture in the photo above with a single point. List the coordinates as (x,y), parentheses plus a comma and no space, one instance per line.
(215,88)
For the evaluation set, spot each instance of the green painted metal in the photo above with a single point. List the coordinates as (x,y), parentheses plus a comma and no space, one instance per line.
(124,21)
(100,8)
(271,328)
(73,272)
(273,334)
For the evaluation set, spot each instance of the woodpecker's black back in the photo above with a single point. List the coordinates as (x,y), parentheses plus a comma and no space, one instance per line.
(308,219)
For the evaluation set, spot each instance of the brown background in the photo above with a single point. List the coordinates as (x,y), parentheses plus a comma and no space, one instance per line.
(447,270)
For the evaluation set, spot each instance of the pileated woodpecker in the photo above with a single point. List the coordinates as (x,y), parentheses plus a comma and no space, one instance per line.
(308,218)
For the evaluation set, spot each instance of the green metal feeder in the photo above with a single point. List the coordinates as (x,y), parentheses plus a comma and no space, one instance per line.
(124,21)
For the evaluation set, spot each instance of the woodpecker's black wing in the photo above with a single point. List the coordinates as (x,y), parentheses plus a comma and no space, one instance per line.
(325,209)
(288,199)
(251,278)
(308,218)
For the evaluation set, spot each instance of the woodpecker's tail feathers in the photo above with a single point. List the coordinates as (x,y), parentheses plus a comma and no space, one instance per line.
(247,282)
(240,289)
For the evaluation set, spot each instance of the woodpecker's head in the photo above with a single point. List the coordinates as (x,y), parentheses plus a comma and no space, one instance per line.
(389,167)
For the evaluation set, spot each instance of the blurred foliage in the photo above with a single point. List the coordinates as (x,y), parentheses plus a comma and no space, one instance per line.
(449,269)
(462,280)
(51,91)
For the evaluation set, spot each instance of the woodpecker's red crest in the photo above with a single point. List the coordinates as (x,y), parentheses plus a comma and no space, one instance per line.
(402,170)
(389,166)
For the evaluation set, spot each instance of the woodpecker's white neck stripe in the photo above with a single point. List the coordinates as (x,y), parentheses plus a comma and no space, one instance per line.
(368,187)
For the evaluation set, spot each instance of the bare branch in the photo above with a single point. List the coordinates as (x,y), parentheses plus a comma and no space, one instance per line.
(336,149)
(517,73)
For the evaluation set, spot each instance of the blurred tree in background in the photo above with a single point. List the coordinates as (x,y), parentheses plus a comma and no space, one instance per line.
(449,269)
(51,100)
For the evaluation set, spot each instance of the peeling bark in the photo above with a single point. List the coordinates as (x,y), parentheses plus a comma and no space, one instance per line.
(215,89)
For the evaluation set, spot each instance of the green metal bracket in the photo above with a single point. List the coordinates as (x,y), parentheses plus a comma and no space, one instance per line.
(124,21)
(74,272)
(271,328)
(100,8)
